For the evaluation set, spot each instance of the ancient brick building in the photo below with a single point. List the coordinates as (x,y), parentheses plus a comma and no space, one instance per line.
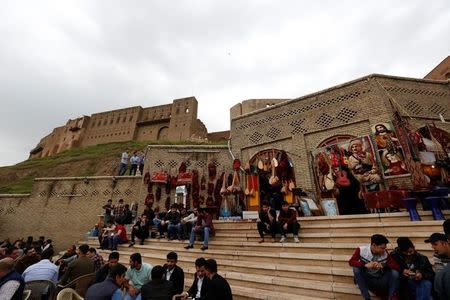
(346,111)
(171,122)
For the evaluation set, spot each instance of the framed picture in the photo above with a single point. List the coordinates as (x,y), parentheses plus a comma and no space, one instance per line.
(305,208)
(330,206)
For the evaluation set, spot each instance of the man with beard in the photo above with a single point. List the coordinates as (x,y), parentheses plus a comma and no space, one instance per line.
(218,287)
(174,273)
(200,285)
(441,246)
(30,258)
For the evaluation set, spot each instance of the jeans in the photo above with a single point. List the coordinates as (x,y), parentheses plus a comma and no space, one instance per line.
(420,290)
(386,283)
(294,228)
(113,241)
(205,231)
(122,169)
(175,229)
(133,169)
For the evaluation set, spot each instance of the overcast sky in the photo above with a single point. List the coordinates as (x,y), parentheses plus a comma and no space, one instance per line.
(65,59)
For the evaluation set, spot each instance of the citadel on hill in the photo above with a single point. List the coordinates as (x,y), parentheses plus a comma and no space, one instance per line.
(170,122)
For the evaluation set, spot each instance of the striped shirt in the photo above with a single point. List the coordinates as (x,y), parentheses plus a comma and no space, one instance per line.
(43,270)
(8,290)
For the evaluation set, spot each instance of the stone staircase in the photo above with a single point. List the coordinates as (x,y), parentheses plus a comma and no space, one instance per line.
(315,268)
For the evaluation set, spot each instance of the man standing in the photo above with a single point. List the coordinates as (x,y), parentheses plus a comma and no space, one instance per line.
(287,219)
(118,209)
(105,290)
(137,275)
(416,272)
(108,207)
(441,246)
(11,283)
(267,221)
(123,163)
(374,269)
(218,287)
(134,161)
(174,273)
(203,225)
(200,285)
(83,265)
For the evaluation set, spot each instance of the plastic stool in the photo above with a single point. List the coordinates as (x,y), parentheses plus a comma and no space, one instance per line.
(410,204)
(434,202)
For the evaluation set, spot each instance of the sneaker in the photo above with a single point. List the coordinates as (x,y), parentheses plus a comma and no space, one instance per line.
(142,242)
(189,247)
(203,248)
(283,239)
(296,239)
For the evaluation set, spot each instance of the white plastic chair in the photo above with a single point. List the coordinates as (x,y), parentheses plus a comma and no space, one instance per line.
(68,294)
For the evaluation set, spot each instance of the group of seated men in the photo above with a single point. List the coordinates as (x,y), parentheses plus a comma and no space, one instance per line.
(404,273)
(177,223)
(144,281)
(284,224)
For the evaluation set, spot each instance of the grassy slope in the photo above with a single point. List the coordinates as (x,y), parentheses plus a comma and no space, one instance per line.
(90,161)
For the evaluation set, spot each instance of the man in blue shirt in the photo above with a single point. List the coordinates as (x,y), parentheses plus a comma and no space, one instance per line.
(106,289)
(43,270)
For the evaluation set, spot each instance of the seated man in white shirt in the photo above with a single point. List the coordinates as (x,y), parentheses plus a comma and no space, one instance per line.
(43,270)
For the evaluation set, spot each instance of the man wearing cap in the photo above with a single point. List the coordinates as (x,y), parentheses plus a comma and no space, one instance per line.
(416,272)
(374,269)
(441,246)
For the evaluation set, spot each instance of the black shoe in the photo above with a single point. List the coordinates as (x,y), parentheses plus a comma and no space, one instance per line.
(142,242)
(189,247)
(203,248)
(131,245)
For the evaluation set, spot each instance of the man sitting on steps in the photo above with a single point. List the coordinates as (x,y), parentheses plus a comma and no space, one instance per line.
(374,269)
(203,225)
(287,220)
(267,221)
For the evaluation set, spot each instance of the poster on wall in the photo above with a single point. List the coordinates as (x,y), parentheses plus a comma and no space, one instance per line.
(390,151)
(356,154)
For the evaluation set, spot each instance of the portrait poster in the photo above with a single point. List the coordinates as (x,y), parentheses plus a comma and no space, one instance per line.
(390,151)
(355,155)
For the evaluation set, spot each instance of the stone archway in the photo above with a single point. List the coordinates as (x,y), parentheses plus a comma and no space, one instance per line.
(163,133)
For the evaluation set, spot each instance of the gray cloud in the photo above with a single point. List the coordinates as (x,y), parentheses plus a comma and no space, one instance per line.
(60,60)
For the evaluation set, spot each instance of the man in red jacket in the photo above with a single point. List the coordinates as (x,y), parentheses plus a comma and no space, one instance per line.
(204,225)
(374,269)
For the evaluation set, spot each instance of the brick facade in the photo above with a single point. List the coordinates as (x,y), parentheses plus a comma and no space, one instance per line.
(300,125)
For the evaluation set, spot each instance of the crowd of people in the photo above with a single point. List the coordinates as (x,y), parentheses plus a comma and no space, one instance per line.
(22,262)
(404,273)
(176,223)
(132,163)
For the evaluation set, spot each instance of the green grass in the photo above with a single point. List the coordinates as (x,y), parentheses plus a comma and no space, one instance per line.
(21,186)
(39,166)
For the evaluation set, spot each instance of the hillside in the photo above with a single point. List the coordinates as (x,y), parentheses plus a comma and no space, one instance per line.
(98,160)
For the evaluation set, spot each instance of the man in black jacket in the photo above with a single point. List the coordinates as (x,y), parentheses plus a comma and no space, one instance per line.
(171,223)
(200,285)
(100,275)
(140,230)
(416,272)
(267,221)
(158,288)
(218,287)
(174,273)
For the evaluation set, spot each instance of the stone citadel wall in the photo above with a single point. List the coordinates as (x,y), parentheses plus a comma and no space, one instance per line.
(172,122)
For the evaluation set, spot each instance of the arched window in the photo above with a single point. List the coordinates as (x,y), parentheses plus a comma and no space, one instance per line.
(335,139)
